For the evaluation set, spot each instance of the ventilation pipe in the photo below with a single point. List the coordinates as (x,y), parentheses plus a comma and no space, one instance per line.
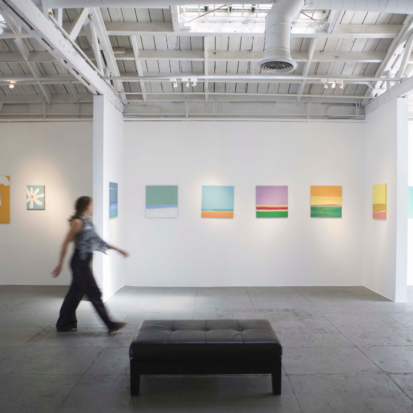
(277,57)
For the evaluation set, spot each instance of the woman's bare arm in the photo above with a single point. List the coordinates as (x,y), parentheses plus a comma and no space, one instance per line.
(75,228)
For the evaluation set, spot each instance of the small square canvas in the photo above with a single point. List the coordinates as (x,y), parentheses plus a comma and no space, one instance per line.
(380,201)
(326,201)
(272,201)
(162,201)
(113,200)
(217,202)
(410,201)
(35,197)
(4,199)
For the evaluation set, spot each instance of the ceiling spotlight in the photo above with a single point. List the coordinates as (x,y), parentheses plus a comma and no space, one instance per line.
(342,84)
(11,85)
(187,84)
(333,85)
(325,85)
(174,83)
(194,82)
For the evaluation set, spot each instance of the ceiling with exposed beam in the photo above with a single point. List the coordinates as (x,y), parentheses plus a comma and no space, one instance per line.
(201,62)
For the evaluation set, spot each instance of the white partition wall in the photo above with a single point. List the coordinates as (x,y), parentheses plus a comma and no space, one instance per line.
(107,167)
(385,241)
(194,251)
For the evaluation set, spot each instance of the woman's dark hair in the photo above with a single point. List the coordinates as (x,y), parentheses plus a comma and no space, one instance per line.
(81,206)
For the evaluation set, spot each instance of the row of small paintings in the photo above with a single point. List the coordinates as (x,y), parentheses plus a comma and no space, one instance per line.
(217,201)
(271,201)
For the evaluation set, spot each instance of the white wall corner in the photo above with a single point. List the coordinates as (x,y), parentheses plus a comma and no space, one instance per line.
(107,167)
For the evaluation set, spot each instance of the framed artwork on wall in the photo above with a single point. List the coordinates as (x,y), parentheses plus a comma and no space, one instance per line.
(35,197)
(272,201)
(380,201)
(161,201)
(217,202)
(113,200)
(326,201)
(4,199)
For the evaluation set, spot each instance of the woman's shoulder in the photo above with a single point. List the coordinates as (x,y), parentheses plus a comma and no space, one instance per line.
(77,222)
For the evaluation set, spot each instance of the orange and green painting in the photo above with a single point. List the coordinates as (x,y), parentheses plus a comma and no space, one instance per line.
(217,202)
(380,201)
(326,201)
(4,199)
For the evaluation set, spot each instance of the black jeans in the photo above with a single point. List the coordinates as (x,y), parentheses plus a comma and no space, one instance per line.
(83,283)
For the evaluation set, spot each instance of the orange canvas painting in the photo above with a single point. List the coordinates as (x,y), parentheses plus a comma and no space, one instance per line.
(4,199)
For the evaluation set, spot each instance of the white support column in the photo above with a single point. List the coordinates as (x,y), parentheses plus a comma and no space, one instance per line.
(135,47)
(206,71)
(385,241)
(107,167)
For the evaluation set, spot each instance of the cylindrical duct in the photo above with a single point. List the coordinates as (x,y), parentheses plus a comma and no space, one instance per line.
(277,57)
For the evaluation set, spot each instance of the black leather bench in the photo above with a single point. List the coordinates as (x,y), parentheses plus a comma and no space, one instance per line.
(205,347)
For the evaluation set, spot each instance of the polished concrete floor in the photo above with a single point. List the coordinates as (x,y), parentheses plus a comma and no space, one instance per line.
(345,350)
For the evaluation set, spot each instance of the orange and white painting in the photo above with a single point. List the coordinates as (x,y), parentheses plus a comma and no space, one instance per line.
(4,199)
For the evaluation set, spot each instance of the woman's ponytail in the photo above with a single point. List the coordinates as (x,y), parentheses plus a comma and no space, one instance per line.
(81,206)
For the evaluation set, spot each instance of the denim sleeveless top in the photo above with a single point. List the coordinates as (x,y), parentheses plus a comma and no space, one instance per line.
(88,241)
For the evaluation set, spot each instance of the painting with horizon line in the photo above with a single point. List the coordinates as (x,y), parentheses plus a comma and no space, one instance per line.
(4,199)
(272,201)
(326,201)
(380,201)
(217,202)
(113,200)
(162,201)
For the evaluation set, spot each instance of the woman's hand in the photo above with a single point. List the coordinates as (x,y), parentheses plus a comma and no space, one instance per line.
(57,271)
(124,253)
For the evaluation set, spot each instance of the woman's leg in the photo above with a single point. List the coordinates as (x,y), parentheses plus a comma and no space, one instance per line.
(67,319)
(93,293)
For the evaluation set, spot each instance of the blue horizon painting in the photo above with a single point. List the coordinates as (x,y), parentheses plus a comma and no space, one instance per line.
(162,201)
(113,200)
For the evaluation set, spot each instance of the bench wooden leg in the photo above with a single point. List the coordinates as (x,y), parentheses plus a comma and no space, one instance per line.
(276,378)
(135,380)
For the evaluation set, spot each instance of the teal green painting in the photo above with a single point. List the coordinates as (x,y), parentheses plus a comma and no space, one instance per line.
(35,197)
(162,201)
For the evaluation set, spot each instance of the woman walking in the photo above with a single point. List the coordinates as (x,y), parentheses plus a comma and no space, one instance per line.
(86,241)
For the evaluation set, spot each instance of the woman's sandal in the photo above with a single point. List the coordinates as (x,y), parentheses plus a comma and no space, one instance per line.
(117,327)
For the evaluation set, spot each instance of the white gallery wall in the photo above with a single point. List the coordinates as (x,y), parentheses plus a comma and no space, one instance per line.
(195,251)
(385,241)
(57,155)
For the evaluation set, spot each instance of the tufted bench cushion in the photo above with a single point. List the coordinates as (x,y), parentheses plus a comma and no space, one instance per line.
(205,347)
